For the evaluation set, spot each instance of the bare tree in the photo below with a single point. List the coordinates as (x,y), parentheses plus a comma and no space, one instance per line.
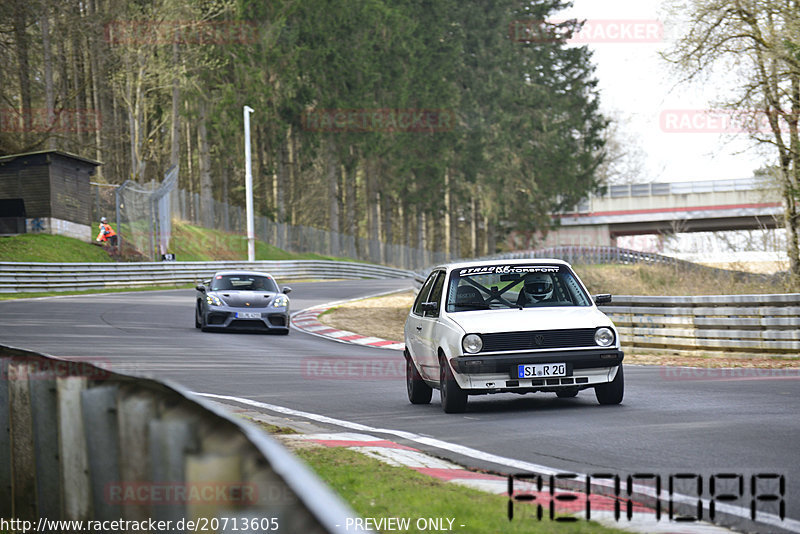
(763,38)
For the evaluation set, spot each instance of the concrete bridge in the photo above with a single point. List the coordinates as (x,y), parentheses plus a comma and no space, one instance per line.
(653,208)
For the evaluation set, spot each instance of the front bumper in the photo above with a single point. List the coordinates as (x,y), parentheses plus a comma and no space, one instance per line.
(507,363)
(276,320)
(497,373)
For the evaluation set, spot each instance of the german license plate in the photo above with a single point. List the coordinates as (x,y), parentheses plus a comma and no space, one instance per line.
(543,370)
(248,315)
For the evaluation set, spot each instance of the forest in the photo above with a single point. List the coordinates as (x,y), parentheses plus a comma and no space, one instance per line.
(438,124)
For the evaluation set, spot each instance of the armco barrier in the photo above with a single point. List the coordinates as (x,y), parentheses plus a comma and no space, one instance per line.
(79,442)
(30,277)
(763,324)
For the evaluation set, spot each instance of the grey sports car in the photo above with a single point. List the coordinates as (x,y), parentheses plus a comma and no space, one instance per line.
(242,300)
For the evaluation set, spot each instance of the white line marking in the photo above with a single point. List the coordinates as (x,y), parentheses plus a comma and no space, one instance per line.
(764,518)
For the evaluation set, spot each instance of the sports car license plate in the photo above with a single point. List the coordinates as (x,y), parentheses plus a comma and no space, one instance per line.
(544,370)
(248,315)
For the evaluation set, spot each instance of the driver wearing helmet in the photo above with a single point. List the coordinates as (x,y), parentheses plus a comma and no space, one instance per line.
(536,288)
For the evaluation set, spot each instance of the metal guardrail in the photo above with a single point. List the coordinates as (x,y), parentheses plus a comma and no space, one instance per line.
(80,442)
(767,324)
(31,277)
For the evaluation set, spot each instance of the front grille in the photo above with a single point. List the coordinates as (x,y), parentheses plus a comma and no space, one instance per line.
(247,324)
(538,339)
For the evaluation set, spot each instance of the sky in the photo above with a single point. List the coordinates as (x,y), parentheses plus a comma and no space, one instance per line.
(659,116)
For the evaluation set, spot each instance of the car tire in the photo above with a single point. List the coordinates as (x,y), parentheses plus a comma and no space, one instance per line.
(612,392)
(567,393)
(418,391)
(197,316)
(454,399)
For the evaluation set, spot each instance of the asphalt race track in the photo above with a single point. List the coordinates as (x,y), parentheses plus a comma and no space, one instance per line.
(672,421)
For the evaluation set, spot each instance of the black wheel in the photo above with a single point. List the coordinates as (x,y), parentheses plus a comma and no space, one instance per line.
(567,393)
(454,400)
(418,391)
(197,316)
(612,392)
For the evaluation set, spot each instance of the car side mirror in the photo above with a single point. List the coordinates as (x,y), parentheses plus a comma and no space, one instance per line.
(287,290)
(604,298)
(201,288)
(429,307)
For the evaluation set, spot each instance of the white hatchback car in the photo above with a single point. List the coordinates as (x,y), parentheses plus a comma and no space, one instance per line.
(516,326)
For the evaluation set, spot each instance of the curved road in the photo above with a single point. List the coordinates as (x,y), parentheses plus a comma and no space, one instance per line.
(672,420)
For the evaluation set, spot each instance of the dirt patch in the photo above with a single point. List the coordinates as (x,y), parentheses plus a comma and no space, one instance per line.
(384,317)
(381,317)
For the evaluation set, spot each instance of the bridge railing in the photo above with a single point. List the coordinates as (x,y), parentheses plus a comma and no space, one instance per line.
(79,442)
(685,188)
(32,277)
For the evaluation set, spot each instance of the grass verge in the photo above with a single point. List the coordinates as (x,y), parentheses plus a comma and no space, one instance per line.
(665,280)
(50,248)
(377,490)
(194,243)
(188,243)
(13,296)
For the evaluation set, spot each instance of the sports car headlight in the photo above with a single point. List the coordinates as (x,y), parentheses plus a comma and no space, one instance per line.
(604,337)
(281,301)
(213,300)
(472,343)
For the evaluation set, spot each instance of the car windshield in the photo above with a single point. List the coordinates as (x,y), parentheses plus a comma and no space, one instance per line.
(503,286)
(246,282)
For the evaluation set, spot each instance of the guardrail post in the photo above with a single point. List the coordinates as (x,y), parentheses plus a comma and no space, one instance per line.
(135,412)
(5,441)
(72,445)
(44,405)
(215,470)
(99,406)
(23,460)
(170,441)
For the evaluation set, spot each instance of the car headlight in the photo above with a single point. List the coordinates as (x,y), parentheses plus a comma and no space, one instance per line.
(604,337)
(281,301)
(213,300)
(472,343)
